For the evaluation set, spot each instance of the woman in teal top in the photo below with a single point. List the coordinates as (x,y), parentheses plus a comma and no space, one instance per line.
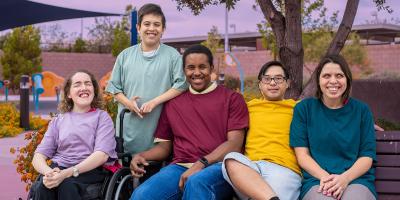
(144,77)
(334,139)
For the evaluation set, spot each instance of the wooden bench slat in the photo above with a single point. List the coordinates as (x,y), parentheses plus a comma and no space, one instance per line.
(388,197)
(388,161)
(388,173)
(387,147)
(388,187)
(387,135)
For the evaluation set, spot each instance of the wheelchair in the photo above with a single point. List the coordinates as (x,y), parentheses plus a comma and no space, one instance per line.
(118,185)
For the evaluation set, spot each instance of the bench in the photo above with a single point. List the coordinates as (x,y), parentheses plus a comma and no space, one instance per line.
(388,165)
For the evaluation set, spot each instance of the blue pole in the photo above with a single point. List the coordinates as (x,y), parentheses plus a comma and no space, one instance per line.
(37,90)
(6,93)
(134,34)
(36,100)
(241,72)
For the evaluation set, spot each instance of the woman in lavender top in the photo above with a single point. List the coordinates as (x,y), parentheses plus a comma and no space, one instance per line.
(78,141)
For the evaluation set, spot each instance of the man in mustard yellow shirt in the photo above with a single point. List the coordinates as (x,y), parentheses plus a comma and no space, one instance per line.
(268,169)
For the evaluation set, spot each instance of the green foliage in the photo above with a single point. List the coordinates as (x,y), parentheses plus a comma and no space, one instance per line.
(111,106)
(79,45)
(387,125)
(268,38)
(55,38)
(251,90)
(231,82)
(315,45)
(21,54)
(121,35)
(213,41)
(197,6)
(2,40)
(380,4)
(102,34)
(355,53)
(315,26)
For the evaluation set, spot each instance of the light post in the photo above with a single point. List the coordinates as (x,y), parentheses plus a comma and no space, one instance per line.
(221,74)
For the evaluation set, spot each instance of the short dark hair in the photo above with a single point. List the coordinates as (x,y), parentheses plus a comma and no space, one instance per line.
(151,8)
(269,64)
(66,104)
(336,59)
(198,49)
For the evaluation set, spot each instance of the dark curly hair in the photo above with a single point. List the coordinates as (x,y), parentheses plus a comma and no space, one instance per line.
(66,104)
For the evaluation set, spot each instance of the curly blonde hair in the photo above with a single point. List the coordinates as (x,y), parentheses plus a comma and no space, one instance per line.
(66,104)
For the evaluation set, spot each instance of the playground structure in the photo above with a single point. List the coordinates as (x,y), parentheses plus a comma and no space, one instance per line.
(5,84)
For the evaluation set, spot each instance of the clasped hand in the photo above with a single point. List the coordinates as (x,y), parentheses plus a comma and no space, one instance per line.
(137,166)
(53,178)
(145,108)
(333,185)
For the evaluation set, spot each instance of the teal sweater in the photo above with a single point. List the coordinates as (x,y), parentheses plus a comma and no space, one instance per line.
(336,138)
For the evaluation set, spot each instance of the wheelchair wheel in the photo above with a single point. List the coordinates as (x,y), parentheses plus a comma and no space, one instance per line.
(120,186)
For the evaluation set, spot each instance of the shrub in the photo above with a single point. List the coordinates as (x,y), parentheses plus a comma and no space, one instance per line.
(387,125)
(111,106)
(25,156)
(9,120)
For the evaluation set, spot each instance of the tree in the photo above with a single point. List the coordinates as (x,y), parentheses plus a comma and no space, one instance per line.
(102,34)
(213,41)
(79,46)
(2,39)
(284,16)
(21,54)
(54,38)
(121,34)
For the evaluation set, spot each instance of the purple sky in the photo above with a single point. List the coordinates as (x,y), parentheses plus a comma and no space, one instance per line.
(184,23)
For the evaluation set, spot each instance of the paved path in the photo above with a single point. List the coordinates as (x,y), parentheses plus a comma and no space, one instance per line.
(11,187)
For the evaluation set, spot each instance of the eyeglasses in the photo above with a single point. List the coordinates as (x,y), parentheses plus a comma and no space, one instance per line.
(277,79)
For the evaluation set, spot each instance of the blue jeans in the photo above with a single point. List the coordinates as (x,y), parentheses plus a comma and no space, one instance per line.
(207,184)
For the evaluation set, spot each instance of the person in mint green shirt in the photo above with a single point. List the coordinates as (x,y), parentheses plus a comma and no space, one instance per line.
(143,78)
(334,138)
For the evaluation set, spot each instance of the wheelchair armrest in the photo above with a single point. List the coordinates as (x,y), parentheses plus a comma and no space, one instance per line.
(119,148)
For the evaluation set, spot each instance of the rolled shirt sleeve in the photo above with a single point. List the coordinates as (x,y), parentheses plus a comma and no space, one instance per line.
(164,131)
(105,136)
(178,77)
(238,113)
(298,127)
(368,140)
(115,85)
(48,145)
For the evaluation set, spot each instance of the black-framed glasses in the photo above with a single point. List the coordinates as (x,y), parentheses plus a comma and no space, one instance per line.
(277,79)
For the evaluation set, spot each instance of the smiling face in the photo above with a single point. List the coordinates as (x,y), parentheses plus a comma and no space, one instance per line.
(150,31)
(333,82)
(198,71)
(276,88)
(81,92)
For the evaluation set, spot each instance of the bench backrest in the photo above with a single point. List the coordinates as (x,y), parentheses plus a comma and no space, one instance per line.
(388,165)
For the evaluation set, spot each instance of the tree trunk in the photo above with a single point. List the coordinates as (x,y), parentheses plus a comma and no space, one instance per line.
(292,54)
(337,43)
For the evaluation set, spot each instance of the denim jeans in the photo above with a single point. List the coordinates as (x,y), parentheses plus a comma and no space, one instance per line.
(207,184)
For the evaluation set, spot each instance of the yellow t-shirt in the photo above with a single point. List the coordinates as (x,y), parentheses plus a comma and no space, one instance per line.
(268,136)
